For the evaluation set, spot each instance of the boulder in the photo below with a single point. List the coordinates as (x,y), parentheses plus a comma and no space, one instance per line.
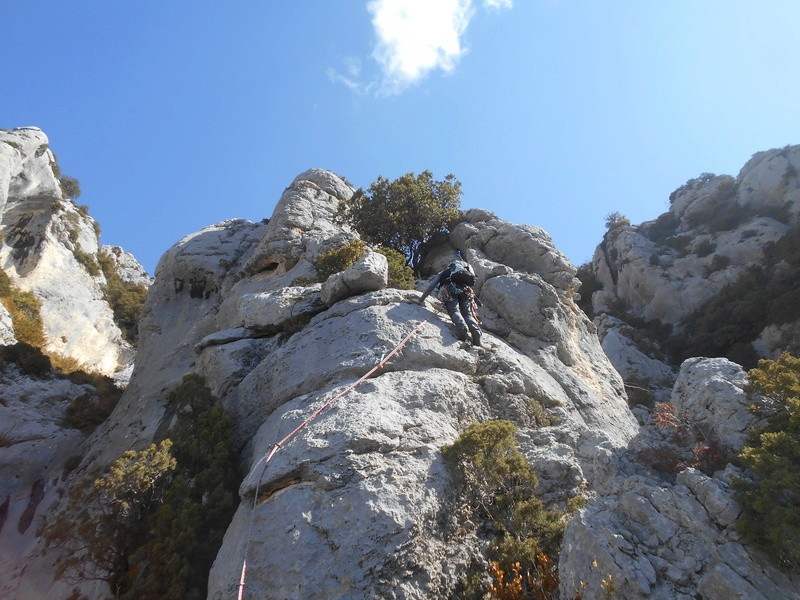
(710,393)
(368,274)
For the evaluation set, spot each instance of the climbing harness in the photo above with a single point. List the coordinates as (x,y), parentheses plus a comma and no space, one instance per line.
(314,415)
(452,291)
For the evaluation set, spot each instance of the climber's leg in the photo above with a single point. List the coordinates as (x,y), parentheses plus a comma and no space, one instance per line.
(453,307)
(475,329)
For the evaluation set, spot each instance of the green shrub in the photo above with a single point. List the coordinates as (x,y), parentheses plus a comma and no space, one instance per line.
(616,221)
(405,213)
(721,211)
(718,263)
(186,530)
(770,517)
(662,228)
(338,259)
(29,359)
(153,524)
(400,275)
(25,310)
(126,299)
(764,294)
(589,285)
(70,187)
(5,284)
(679,243)
(498,483)
(89,261)
(781,213)
(98,528)
(87,411)
(704,248)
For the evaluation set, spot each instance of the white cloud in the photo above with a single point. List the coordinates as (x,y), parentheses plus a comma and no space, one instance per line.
(414,38)
(417,36)
(498,3)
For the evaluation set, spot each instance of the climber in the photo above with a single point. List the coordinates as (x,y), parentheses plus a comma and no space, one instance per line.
(459,299)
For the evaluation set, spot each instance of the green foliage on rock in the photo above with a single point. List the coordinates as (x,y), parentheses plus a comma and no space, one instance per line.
(70,187)
(87,411)
(29,359)
(186,530)
(405,213)
(102,523)
(770,517)
(400,274)
(338,259)
(720,211)
(616,221)
(88,260)
(126,299)
(499,484)
(25,310)
(589,285)
(151,526)
(765,294)
(662,228)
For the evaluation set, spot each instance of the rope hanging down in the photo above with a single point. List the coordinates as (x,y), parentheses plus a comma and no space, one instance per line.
(286,438)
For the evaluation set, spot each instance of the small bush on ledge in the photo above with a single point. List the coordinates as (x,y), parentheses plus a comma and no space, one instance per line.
(338,259)
(770,518)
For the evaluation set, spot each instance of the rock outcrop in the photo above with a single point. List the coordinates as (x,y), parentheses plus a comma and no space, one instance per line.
(50,248)
(674,537)
(715,229)
(654,276)
(669,531)
(38,451)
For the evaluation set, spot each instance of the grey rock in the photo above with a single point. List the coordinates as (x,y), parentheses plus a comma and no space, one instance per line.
(359,503)
(129,269)
(709,392)
(7,336)
(43,233)
(368,274)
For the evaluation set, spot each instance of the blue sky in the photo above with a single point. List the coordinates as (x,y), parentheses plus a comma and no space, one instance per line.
(176,115)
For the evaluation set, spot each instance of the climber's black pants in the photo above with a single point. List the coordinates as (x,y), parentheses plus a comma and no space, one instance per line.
(461,315)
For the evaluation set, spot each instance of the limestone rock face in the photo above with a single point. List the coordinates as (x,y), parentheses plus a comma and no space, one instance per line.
(7,336)
(673,540)
(368,274)
(663,271)
(668,541)
(37,453)
(715,229)
(709,393)
(48,245)
(359,504)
